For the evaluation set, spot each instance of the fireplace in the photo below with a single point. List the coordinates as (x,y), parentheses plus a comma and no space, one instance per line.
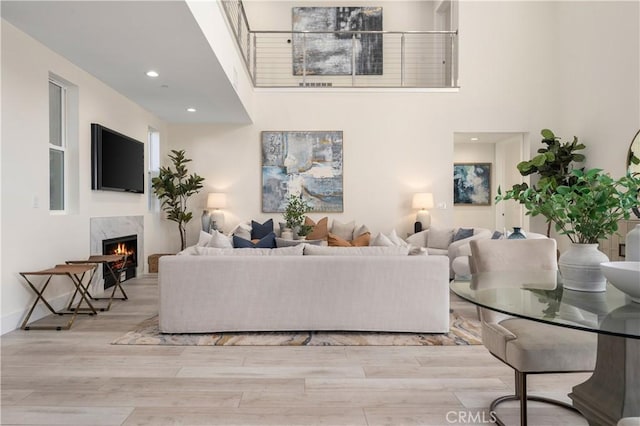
(121,245)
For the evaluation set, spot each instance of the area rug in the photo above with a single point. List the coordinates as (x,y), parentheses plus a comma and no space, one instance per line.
(463,331)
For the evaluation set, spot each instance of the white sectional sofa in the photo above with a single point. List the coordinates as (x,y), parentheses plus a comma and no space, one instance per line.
(383,292)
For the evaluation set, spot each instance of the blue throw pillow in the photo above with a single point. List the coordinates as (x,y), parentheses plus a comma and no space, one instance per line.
(496,235)
(463,233)
(261,230)
(269,241)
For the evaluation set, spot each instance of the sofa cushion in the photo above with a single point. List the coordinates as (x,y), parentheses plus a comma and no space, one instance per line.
(269,241)
(320,229)
(463,233)
(261,230)
(281,242)
(343,230)
(360,241)
(355,251)
(440,238)
(211,251)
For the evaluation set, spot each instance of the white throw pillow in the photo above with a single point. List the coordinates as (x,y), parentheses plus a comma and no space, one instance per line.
(381,240)
(243,230)
(203,239)
(391,240)
(219,240)
(343,230)
(362,229)
(419,239)
(440,238)
(397,240)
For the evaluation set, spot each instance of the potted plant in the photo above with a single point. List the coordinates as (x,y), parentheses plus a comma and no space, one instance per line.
(554,164)
(586,209)
(294,214)
(173,188)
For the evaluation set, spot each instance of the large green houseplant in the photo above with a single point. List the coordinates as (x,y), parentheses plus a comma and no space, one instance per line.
(554,165)
(585,210)
(173,187)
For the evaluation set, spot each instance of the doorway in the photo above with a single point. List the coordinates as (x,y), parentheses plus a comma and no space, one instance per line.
(503,151)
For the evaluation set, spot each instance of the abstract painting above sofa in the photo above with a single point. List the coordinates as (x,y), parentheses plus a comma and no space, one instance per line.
(302,163)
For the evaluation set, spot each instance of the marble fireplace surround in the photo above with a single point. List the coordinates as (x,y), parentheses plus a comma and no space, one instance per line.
(102,228)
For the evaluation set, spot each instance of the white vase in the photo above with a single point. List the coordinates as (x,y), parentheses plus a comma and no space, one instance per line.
(580,268)
(632,245)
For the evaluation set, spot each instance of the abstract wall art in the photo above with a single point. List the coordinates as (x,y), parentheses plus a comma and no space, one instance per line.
(472,184)
(331,54)
(304,162)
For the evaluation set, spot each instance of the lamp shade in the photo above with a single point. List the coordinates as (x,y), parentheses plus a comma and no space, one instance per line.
(216,200)
(422,200)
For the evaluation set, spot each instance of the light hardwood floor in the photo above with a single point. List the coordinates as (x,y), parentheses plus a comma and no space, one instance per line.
(77,377)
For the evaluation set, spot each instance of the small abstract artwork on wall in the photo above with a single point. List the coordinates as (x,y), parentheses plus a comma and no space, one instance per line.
(331,54)
(472,184)
(305,162)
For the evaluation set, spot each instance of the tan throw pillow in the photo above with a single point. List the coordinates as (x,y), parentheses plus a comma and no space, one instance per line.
(359,241)
(362,240)
(320,230)
(335,241)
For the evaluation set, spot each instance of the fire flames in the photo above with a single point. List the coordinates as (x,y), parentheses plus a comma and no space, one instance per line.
(121,248)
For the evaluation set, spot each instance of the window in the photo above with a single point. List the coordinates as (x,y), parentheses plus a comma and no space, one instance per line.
(57,146)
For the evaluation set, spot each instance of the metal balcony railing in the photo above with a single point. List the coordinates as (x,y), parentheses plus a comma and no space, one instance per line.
(391,59)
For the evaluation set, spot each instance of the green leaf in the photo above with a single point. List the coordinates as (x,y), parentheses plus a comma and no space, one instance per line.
(547,134)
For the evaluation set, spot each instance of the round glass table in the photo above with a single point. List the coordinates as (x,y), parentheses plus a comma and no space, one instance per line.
(613,390)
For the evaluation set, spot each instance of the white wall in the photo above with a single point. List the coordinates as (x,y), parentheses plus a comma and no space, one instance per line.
(597,64)
(32,238)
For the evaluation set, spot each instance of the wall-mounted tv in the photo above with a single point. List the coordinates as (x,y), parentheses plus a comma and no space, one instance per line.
(117,161)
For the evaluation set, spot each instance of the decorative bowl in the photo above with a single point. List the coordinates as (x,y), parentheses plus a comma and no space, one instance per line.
(625,276)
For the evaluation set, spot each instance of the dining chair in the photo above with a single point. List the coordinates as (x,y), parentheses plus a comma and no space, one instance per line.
(529,347)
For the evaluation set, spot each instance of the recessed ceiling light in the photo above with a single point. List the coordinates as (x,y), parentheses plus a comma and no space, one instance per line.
(474,139)
(152,73)
(191,110)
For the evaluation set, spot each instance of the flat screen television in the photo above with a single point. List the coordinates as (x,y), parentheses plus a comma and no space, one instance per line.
(117,161)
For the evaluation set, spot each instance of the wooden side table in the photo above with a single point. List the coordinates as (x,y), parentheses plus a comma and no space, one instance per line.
(109,260)
(75,274)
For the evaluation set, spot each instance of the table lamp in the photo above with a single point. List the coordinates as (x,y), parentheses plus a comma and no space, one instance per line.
(422,201)
(215,202)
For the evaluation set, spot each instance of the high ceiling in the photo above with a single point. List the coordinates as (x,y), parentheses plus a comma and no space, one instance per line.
(119,41)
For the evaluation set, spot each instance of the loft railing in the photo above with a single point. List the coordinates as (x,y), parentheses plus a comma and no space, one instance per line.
(409,59)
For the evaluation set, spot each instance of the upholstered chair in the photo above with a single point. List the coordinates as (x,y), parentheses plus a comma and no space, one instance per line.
(529,347)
